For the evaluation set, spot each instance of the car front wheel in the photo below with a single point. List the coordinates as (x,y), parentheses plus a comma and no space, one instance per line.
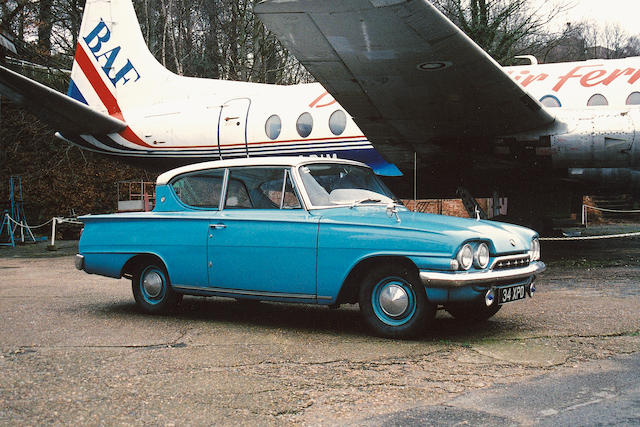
(394,304)
(152,290)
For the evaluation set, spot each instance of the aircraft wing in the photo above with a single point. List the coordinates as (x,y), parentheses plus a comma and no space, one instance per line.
(60,111)
(412,80)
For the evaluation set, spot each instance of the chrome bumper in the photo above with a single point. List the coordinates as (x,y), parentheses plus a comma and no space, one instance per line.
(439,279)
(79,261)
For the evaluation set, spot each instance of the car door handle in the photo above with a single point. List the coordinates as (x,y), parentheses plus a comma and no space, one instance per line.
(217,226)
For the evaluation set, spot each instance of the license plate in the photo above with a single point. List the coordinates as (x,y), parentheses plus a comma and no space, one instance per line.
(512,293)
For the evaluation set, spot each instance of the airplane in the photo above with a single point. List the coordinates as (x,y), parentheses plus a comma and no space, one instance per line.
(401,88)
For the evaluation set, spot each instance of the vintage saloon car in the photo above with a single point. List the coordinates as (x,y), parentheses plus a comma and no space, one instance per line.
(309,230)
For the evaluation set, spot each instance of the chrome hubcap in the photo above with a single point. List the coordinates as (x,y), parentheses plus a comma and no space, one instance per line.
(152,284)
(394,300)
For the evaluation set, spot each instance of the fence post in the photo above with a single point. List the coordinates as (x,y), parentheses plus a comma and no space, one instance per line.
(52,246)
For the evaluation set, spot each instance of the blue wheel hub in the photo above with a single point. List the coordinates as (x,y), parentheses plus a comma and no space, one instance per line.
(393,301)
(153,285)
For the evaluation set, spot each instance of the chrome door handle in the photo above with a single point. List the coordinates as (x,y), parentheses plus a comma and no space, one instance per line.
(217,226)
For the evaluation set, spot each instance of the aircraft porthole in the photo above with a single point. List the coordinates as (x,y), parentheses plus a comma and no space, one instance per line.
(273,126)
(304,125)
(597,100)
(337,122)
(633,99)
(550,101)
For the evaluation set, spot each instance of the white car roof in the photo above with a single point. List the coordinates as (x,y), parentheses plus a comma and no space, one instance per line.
(164,178)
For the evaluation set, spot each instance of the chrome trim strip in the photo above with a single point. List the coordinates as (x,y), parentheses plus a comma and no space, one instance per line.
(284,187)
(438,279)
(243,292)
(223,192)
(79,261)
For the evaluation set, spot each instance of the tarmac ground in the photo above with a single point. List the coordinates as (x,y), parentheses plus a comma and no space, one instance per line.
(74,349)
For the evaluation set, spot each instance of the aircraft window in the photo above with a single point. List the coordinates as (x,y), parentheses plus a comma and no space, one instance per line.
(550,101)
(634,99)
(273,126)
(337,122)
(597,100)
(304,125)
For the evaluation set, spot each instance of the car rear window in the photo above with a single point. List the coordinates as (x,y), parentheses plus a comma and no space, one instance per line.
(201,189)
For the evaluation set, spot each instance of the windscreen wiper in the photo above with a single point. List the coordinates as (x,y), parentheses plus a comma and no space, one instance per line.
(368,200)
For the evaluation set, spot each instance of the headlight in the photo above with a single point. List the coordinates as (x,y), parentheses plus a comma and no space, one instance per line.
(465,257)
(534,253)
(481,256)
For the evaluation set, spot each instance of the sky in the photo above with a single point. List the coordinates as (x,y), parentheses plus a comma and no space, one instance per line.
(626,13)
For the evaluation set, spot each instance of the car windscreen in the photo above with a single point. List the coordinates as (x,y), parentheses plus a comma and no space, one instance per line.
(334,184)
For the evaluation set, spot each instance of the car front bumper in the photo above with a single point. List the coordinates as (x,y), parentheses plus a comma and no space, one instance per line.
(440,279)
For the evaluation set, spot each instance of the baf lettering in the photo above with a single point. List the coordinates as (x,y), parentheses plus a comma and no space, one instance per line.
(95,40)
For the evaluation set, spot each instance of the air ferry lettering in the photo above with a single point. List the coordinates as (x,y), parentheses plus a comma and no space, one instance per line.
(573,74)
(315,101)
(97,37)
(530,79)
(617,73)
(597,77)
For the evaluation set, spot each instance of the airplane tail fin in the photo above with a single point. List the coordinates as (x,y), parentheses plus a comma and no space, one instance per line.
(112,64)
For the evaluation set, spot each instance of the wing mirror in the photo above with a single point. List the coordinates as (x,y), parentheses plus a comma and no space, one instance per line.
(392,210)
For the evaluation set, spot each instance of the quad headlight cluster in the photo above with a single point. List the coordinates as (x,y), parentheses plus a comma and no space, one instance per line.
(476,254)
(534,252)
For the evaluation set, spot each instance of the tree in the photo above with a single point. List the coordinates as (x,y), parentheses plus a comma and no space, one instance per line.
(588,40)
(216,39)
(503,28)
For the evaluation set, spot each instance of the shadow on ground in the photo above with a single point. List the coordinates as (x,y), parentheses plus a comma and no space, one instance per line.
(305,318)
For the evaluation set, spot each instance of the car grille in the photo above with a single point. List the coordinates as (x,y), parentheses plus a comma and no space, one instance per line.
(517,261)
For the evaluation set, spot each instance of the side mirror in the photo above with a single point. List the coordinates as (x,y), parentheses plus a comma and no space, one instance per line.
(392,210)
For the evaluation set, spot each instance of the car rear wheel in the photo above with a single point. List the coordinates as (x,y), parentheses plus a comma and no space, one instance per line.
(393,302)
(474,311)
(152,290)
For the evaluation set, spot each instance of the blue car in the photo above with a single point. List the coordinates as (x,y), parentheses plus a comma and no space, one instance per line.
(309,230)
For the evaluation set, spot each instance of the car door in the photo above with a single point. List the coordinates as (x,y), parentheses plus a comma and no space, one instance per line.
(181,237)
(263,242)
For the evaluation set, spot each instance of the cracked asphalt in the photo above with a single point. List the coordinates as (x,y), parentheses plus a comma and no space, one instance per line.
(75,350)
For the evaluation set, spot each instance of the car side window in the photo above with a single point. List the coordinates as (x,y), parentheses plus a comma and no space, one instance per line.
(261,188)
(201,189)
(280,191)
(237,195)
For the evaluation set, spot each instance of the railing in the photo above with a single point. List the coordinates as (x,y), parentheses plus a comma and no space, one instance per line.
(595,208)
(136,196)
